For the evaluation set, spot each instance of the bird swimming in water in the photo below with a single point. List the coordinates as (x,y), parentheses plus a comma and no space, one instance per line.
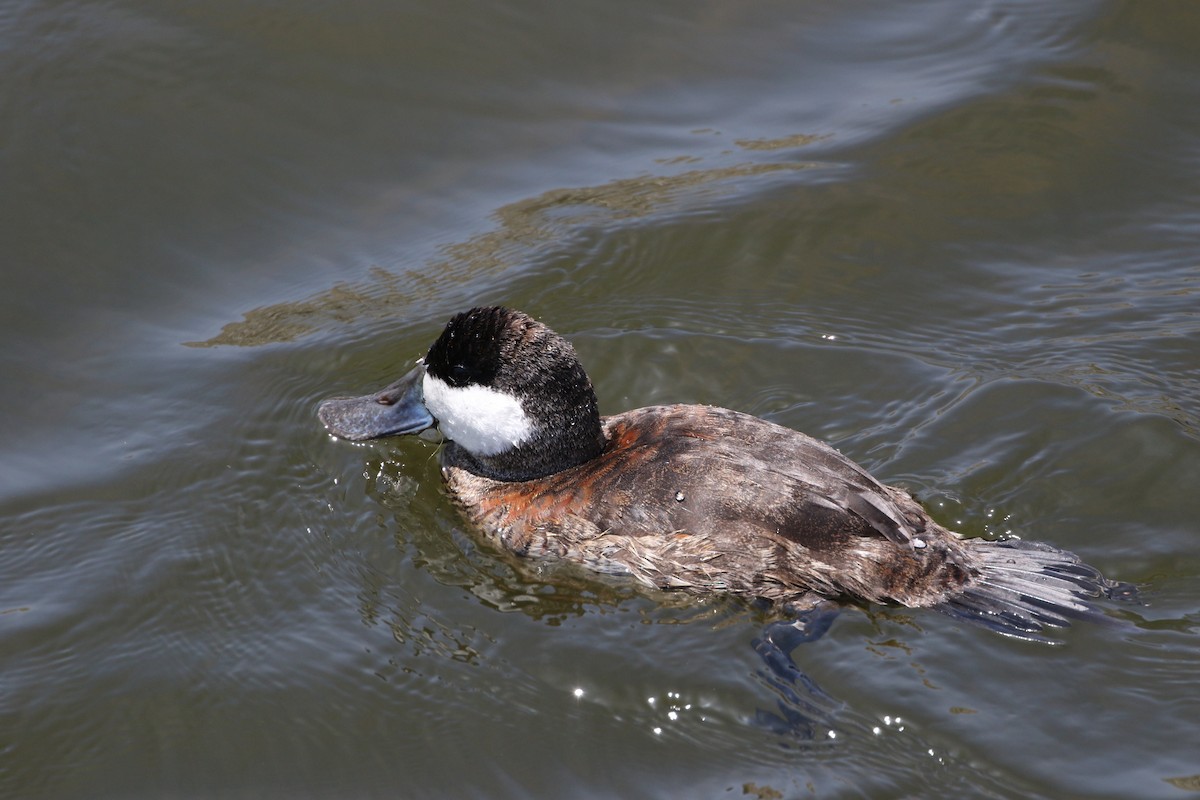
(694,498)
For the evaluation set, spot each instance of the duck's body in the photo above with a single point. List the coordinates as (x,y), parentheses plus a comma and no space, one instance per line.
(691,498)
(711,500)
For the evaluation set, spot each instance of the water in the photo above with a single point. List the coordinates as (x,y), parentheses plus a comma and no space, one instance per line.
(959,242)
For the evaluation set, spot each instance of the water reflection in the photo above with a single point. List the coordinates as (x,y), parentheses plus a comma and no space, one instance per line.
(522,226)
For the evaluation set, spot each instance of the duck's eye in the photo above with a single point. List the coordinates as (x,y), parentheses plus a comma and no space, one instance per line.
(458,375)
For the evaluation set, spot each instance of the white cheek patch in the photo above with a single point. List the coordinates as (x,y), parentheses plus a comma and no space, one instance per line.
(483,421)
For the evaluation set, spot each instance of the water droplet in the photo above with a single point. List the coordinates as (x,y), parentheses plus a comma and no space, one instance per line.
(679,496)
(919,543)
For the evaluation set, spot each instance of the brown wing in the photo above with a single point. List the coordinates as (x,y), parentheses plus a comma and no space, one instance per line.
(741,468)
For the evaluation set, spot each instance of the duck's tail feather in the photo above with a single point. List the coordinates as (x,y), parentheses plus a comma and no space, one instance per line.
(1022,588)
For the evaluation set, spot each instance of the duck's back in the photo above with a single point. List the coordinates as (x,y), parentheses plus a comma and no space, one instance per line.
(707,499)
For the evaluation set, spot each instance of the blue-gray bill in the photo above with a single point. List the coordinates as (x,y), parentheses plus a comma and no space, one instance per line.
(395,410)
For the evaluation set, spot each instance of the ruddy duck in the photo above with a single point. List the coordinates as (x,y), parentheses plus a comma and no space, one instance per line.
(689,497)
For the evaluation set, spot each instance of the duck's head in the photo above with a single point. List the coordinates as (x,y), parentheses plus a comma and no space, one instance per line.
(507,391)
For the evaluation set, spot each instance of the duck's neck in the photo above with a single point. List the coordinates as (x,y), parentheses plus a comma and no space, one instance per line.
(564,438)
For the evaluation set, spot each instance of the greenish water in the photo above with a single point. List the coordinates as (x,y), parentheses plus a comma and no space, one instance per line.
(960,242)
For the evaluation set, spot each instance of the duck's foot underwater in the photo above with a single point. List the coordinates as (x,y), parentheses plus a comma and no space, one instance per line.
(803,708)
(1024,590)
